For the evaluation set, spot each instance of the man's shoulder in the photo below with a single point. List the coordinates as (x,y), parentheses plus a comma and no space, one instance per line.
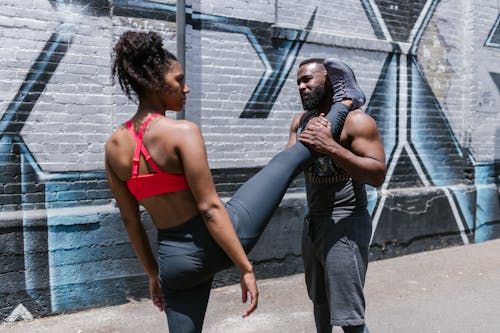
(358,115)
(359,120)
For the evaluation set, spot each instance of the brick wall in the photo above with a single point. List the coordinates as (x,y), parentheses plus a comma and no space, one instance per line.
(429,70)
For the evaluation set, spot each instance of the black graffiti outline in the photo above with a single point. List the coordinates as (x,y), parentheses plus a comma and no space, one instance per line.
(494,32)
(406,142)
(35,82)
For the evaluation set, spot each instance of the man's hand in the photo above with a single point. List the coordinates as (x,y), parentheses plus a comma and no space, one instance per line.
(249,285)
(317,135)
(155,292)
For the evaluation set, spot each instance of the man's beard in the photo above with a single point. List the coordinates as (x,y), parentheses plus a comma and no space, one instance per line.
(314,99)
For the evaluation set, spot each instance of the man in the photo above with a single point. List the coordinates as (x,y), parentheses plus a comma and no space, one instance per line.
(337,226)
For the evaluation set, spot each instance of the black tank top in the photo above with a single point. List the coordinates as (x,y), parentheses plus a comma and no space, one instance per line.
(330,191)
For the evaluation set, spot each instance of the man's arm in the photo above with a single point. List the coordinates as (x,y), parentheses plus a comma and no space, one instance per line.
(294,126)
(362,154)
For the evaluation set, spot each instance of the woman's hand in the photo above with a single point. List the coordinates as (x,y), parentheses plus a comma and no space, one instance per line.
(249,285)
(155,292)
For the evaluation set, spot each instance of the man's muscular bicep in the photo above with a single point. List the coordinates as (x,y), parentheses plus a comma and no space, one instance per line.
(365,137)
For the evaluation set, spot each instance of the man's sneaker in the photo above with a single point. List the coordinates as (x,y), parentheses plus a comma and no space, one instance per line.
(344,83)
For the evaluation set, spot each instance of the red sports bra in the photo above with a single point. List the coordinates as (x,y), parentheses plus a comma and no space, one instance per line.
(144,186)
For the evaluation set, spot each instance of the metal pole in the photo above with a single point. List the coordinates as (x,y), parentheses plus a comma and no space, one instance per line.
(180,19)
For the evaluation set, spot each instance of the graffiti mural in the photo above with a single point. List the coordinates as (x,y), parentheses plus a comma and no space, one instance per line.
(44,209)
(408,120)
(65,248)
(493,39)
(278,60)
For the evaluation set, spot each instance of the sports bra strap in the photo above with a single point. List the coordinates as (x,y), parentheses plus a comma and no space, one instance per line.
(139,148)
(145,123)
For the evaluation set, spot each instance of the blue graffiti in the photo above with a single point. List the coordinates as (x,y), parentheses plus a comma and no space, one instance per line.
(56,245)
(277,58)
(372,17)
(488,205)
(493,39)
(35,82)
(88,7)
(430,147)
(384,107)
(272,81)
(496,78)
(38,190)
(443,159)
(45,235)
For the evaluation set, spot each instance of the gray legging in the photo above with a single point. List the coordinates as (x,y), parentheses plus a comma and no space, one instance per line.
(189,257)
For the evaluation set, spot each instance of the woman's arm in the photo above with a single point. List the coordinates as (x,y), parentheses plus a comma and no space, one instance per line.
(129,211)
(191,149)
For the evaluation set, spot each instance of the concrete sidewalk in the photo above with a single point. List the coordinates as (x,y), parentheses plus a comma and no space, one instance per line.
(453,290)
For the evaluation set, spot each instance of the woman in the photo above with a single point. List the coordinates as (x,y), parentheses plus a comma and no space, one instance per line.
(161,164)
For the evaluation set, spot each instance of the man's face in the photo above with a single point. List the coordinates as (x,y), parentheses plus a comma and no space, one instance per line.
(311,79)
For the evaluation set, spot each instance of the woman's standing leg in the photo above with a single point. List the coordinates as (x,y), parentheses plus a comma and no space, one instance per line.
(185,309)
(185,277)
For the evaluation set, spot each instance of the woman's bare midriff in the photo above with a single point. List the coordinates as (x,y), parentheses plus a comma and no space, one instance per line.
(171,209)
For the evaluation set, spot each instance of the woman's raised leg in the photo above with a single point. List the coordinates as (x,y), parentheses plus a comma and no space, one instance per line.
(254,203)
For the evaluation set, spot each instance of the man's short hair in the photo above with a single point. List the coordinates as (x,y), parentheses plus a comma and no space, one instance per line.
(312,60)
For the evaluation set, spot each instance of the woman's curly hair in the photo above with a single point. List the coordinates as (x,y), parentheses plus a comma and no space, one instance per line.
(139,62)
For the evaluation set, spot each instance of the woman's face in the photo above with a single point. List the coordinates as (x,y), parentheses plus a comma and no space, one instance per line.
(175,89)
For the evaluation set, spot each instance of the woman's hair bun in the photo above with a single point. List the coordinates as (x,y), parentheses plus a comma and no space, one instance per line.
(140,62)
